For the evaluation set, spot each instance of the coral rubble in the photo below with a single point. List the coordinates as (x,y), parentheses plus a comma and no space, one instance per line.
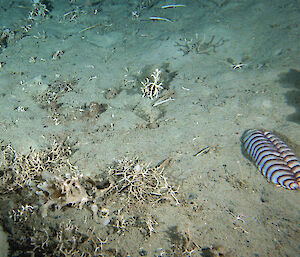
(41,190)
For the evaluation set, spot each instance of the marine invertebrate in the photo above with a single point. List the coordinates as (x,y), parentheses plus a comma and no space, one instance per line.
(273,158)
(38,10)
(21,214)
(57,54)
(18,170)
(238,65)
(199,46)
(172,6)
(156,18)
(74,14)
(140,182)
(153,85)
(57,185)
(63,190)
(26,170)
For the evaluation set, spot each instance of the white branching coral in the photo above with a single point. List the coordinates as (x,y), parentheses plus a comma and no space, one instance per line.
(142,183)
(152,86)
(42,183)
(38,10)
(19,170)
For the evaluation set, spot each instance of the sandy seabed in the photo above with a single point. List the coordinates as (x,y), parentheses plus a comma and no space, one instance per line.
(226,66)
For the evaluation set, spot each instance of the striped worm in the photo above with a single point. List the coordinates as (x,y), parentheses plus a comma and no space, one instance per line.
(276,161)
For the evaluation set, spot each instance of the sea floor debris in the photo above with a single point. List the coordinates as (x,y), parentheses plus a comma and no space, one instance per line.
(42,190)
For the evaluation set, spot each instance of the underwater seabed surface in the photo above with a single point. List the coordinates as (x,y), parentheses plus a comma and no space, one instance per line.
(121,124)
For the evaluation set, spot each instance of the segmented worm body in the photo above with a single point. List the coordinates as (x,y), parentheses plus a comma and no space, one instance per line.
(276,161)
